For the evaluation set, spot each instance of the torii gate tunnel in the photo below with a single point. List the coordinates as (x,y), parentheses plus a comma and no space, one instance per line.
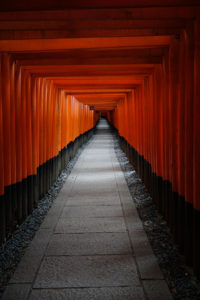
(137,63)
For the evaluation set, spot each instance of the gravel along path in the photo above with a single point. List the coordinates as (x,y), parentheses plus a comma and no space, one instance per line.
(182,283)
(15,247)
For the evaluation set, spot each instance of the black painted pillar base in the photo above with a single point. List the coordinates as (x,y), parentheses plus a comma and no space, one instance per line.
(188,241)
(159,187)
(36,190)
(182,219)
(196,242)
(24,199)
(30,194)
(20,199)
(19,195)
(181,222)
(9,209)
(2,220)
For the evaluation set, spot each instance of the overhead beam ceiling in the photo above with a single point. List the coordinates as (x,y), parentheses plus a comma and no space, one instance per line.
(96,51)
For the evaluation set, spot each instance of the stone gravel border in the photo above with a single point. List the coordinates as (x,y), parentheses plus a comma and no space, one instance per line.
(15,247)
(179,278)
(182,283)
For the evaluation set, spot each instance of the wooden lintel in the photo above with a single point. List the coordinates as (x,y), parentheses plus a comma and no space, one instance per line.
(186,9)
(94,61)
(83,43)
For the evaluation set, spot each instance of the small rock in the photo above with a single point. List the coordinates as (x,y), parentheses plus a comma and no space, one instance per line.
(174,291)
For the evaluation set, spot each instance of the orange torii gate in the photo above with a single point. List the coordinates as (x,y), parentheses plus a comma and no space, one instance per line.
(136,63)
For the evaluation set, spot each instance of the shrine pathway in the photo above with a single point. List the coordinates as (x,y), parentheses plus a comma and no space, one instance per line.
(91,244)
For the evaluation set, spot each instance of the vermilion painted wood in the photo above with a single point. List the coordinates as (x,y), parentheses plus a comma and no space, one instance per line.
(173,94)
(196,117)
(69,119)
(6,110)
(189,94)
(83,43)
(38,112)
(140,67)
(12,117)
(166,107)
(29,128)
(181,118)
(87,24)
(18,127)
(88,70)
(164,112)
(1,134)
(167,12)
(45,118)
(41,122)
(159,111)
(90,33)
(34,125)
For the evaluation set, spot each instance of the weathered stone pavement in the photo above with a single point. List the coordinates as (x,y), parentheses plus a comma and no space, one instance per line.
(92,244)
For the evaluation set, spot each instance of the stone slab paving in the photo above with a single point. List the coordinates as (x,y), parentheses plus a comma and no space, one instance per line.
(104,293)
(94,211)
(78,225)
(87,243)
(91,244)
(87,271)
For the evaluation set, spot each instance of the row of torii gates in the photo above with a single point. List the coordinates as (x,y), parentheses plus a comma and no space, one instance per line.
(137,63)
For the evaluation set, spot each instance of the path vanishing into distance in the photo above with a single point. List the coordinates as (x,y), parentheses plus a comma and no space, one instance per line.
(91,244)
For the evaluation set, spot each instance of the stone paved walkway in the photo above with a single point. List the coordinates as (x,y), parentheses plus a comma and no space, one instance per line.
(92,244)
